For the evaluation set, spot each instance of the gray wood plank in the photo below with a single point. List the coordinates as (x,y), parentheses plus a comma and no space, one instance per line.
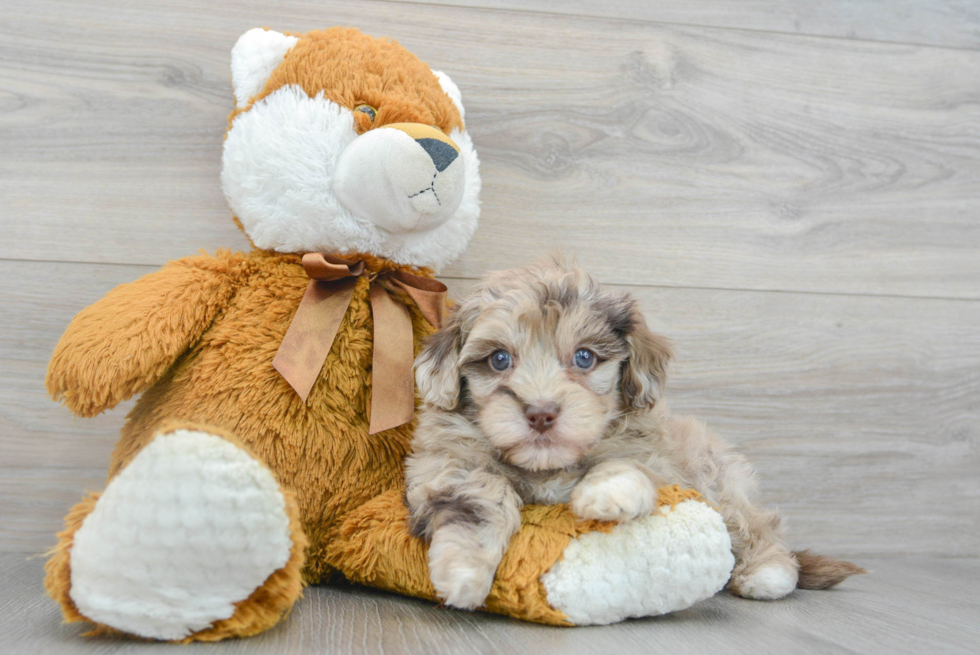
(861,414)
(34,501)
(947,23)
(39,301)
(664,155)
(906,605)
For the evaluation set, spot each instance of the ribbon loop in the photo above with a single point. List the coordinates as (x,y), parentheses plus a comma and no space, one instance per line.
(428,294)
(325,267)
(311,333)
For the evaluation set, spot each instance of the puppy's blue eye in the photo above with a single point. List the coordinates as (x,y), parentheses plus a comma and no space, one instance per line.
(584,358)
(500,360)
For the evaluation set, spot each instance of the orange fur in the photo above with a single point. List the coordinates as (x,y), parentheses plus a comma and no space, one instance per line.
(381,74)
(126,341)
(220,374)
(321,450)
(57,570)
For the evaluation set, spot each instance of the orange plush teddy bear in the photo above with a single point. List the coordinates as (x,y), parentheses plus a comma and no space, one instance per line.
(277,394)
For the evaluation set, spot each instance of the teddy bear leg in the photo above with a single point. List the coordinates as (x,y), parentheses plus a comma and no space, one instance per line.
(558,569)
(193,540)
(665,562)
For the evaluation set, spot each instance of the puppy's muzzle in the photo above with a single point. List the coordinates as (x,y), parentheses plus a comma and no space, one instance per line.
(403,177)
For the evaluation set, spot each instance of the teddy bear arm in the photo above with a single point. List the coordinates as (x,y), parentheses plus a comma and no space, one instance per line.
(558,569)
(126,341)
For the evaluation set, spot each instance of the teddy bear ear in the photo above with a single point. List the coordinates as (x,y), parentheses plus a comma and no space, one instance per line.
(452,91)
(255,55)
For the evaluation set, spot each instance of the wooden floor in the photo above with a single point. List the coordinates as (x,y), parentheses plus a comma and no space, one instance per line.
(899,608)
(791,188)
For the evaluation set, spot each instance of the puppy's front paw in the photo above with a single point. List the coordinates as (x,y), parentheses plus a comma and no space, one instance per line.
(619,495)
(461,573)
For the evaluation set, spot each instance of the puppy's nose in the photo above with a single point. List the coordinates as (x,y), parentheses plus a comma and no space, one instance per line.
(541,417)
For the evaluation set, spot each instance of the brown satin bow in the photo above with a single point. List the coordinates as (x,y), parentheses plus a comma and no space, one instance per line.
(311,334)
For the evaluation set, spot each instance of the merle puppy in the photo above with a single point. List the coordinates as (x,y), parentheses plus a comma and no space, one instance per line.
(546,388)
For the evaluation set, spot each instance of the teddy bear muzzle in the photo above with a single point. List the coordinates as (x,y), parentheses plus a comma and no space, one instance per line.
(403,177)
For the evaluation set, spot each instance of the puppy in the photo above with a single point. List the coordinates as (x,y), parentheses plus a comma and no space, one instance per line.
(545,388)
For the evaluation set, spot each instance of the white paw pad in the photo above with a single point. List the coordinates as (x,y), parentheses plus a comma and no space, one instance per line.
(661,563)
(769,583)
(190,527)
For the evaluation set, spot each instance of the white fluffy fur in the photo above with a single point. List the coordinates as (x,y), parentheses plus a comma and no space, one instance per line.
(461,570)
(190,527)
(280,158)
(769,583)
(255,55)
(655,565)
(615,490)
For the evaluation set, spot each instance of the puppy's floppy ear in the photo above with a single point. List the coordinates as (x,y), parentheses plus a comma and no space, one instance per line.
(437,367)
(645,369)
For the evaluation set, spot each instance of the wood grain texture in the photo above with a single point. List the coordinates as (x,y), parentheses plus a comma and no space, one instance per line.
(946,23)
(862,415)
(908,605)
(675,156)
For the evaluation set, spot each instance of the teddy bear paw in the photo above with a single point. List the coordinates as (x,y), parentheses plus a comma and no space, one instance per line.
(190,527)
(656,564)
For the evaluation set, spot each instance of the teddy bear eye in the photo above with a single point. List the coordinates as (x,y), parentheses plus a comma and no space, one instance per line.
(367,109)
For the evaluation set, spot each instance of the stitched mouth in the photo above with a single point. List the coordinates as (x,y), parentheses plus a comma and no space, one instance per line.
(431,188)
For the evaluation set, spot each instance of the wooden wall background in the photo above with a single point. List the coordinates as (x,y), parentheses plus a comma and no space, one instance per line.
(792,189)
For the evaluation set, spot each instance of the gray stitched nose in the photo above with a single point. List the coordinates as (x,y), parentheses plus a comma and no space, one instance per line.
(541,417)
(442,153)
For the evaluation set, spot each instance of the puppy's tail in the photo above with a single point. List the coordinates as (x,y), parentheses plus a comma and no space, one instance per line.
(819,572)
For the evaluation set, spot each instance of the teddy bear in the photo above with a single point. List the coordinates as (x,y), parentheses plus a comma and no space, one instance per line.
(277,400)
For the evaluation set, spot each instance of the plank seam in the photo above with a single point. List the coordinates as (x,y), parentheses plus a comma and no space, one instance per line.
(850,294)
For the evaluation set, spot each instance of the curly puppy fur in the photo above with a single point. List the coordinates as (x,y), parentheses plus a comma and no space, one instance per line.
(547,430)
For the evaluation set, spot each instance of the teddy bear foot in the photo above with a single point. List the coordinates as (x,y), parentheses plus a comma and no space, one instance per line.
(193,540)
(654,565)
